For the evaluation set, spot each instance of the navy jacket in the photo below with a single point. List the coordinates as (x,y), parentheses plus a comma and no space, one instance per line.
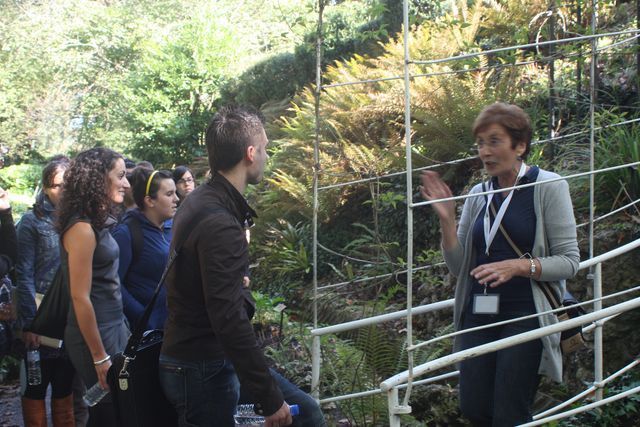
(139,279)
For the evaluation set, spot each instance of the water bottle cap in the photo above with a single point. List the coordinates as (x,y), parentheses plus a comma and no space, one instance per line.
(295,410)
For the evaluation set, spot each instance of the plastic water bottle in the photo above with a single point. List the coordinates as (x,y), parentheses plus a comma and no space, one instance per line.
(94,395)
(34,375)
(246,417)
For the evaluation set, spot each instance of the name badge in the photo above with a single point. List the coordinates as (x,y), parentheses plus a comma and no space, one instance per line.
(486,303)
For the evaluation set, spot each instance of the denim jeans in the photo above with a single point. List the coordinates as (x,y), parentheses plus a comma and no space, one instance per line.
(310,413)
(497,389)
(204,393)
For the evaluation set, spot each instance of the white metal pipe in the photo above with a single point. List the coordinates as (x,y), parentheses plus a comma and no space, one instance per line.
(592,133)
(440,305)
(444,361)
(378,391)
(355,324)
(609,255)
(315,367)
(525,46)
(409,195)
(392,402)
(587,391)
(592,326)
(532,184)
(584,408)
(414,76)
(315,355)
(465,159)
(598,349)
(529,316)
(378,276)
(601,217)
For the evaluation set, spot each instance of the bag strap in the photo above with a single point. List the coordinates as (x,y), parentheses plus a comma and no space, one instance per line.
(137,238)
(136,335)
(546,288)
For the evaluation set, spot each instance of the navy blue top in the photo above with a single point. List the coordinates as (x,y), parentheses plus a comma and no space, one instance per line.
(520,223)
(139,280)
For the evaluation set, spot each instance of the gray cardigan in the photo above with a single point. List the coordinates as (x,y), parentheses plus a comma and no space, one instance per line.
(555,245)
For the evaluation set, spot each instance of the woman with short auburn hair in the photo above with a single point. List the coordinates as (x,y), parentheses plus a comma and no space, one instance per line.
(494,283)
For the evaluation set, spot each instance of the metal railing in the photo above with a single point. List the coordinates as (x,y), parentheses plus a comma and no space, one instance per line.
(598,317)
(405,380)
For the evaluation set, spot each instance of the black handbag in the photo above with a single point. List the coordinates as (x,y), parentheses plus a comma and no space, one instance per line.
(133,376)
(51,317)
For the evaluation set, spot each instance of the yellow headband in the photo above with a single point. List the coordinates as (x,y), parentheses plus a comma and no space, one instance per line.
(146,193)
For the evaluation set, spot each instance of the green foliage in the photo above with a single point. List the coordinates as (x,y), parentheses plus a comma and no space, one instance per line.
(617,146)
(9,368)
(284,258)
(349,27)
(266,313)
(623,412)
(22,178)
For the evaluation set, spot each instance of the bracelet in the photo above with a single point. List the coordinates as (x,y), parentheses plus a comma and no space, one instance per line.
(100,362)
(532,268)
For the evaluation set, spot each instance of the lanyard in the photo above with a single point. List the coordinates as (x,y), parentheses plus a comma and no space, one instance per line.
(490,231)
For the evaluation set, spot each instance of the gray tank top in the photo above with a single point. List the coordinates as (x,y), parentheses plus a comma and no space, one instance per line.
(105,283)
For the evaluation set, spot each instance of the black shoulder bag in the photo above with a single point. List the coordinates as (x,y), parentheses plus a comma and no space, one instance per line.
(133,376)
(571,339)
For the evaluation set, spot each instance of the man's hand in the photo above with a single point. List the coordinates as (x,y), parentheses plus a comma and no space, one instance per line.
(281,418)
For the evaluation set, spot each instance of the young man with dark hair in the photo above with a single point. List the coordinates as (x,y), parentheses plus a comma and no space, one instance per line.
(209,341)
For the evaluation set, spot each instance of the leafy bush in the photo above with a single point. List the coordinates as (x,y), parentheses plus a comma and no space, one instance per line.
(21,178)
(623,412)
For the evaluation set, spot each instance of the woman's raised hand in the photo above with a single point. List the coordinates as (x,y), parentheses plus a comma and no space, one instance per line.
(434,188)
(4,200)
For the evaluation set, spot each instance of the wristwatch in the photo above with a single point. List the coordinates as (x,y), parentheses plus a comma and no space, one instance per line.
(532,267)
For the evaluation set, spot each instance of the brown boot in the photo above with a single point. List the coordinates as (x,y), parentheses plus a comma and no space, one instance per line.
(34,413)
(62,412)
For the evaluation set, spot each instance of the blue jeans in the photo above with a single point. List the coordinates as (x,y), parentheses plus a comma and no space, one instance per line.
(310,413)
(497,389)
(204,393)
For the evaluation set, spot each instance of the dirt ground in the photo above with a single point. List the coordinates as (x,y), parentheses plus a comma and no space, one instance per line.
(10,411)
(10,408)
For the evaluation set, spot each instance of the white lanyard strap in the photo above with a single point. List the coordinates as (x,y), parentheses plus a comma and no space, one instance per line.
(491,230)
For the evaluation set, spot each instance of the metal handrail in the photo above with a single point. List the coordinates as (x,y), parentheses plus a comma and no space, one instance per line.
(451,359)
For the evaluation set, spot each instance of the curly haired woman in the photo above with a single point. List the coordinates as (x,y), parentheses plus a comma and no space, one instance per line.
(96,327)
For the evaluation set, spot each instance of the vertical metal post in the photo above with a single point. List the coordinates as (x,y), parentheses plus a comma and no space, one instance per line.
(315,368)
(315,351)
(592,136)
(392,401)
(597,335)
(552,75)
(580,60)
(409,166)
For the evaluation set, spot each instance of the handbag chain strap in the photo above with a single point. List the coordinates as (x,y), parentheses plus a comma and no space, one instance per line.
(544,286)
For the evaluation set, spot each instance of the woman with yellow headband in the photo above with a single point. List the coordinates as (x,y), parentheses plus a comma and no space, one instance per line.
(143,236)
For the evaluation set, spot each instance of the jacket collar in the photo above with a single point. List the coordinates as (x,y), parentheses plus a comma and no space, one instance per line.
(241,209)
